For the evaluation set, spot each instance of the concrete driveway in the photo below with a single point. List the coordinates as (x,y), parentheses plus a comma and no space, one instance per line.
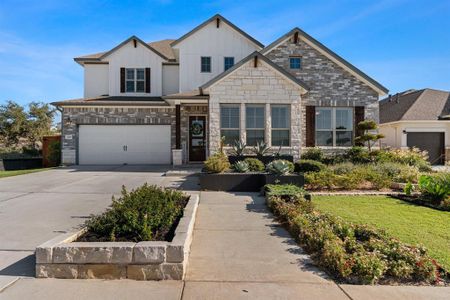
(37,207)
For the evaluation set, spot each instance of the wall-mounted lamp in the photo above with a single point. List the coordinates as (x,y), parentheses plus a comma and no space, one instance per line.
(404,131)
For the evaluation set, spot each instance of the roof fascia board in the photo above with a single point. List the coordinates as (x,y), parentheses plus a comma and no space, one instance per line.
(234,27)
(106,54)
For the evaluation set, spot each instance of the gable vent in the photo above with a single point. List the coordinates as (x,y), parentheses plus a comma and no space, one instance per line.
(296,37)
(217,22)
(135,43)
(255,61)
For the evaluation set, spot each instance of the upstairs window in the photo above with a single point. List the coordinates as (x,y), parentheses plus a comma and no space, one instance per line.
(295,63)
(205,64)
(334,126)
(228,63)
(135,80)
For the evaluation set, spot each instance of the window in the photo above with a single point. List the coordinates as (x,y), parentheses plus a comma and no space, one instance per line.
(254,123)
(228,63)
(280,125)
(334,126)
(206,64)
(295,62)
(229,123)
(135,80)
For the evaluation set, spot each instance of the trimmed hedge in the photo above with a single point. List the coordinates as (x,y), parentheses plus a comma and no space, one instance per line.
(354,253)
(254,165)
(148,213)
(306,165)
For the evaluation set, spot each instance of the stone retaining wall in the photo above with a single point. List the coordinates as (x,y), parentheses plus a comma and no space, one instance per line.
(151,260)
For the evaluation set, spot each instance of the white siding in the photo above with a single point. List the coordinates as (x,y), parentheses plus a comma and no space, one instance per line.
(129,57)
(170,79)
(96,82)
(210,41)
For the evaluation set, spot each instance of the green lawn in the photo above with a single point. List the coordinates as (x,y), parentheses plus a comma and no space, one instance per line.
(410,223)
(20,172)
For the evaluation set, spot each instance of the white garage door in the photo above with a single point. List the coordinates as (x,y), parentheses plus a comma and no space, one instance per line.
(124,144)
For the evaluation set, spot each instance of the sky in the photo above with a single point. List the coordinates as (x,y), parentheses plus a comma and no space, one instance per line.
(402,44)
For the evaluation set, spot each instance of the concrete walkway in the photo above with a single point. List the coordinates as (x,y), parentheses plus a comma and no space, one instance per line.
(238,251)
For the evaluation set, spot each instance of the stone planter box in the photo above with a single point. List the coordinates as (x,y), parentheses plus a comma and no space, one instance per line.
(61,257)
(245,182)
(265,159)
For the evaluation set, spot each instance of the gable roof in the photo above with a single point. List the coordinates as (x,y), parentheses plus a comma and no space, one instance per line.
(257,54)
(218,16)
(331,55)
(415,105)
(161,48)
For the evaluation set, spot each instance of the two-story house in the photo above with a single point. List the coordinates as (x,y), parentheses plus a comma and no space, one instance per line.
(172,101)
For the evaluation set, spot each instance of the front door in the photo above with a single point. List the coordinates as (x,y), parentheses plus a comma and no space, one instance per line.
(197,138)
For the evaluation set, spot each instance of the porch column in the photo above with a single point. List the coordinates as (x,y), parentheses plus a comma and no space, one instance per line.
(177,153)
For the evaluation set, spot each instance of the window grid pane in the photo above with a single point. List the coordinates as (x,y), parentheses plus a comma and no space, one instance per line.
(206,64)
(231,136)
(323,118)
(228,62)
(280,117)
(130,86)
(254,117)
(229,117)
(280,138)
(254,136)
(334,127)
(295,62)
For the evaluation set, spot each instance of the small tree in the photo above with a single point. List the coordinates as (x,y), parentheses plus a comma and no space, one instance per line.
(366,136)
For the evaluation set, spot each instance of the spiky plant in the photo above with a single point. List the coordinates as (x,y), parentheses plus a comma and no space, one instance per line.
(280,167)
(261,148)
(239,147)
(241,166)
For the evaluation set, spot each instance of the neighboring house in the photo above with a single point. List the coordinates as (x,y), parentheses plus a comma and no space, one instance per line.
(418,118)
(173,100)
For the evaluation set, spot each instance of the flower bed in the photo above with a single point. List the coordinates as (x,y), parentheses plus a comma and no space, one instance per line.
(146,235)
(354,253)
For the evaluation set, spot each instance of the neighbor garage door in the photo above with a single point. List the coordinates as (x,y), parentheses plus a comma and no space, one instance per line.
(124,144)
(433,142)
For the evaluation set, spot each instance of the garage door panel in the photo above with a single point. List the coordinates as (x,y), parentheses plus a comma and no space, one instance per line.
(144,144)
(432,142)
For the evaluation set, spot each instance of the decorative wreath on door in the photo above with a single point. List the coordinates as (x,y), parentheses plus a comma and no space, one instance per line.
(197,129)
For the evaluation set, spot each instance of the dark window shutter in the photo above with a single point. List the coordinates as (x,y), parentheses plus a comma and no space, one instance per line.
(122,80)
(310,126)
(147,80)
(359,117)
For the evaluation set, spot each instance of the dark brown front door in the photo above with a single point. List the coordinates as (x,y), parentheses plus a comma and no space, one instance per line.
(197,138)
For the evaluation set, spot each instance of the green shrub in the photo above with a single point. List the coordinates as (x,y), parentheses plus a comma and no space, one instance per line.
(241,166)
(304,166)
(358,155)
(313,154)
(320,180)
(350,252)
(413,157)
(398,172)
(217,163)
(435,187)
(287,191)
(254,164)
(280,167)
(144,214)
(343,168)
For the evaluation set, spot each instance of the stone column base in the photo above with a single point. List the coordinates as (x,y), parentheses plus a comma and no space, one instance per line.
(177,157)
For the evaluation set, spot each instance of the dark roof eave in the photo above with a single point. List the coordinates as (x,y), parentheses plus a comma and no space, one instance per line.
(110,103)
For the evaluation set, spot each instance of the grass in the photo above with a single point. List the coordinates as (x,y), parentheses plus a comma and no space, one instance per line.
(410,223)
(20,172)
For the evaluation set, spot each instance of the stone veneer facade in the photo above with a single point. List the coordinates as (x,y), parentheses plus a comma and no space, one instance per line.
(72,117)
(330,84)
(250,85)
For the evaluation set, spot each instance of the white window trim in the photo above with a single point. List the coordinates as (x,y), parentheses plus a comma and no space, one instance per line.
(135,80)
(300,64)
(281,129)
(333,125)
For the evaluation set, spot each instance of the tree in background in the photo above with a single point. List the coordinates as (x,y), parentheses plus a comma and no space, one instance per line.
(21,127)
(366,136)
